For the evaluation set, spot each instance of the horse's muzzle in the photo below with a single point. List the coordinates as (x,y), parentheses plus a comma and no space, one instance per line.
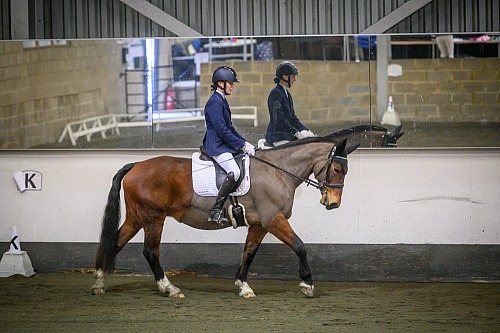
(332,206)
(329,205)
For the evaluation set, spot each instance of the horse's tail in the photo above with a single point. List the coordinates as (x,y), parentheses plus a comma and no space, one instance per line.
(106,254)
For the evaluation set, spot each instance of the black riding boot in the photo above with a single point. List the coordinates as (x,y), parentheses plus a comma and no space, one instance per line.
(224,191)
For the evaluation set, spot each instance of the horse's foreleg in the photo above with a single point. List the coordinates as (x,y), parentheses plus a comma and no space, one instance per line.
(280,227)
(254,238)
(151,252)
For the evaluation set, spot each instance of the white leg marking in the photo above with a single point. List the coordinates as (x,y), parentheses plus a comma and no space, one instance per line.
(98,287)
(307,289)
(245,290)
(165,286)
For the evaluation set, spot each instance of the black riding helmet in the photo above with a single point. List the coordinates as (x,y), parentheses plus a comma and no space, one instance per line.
(286,68)
(224,73)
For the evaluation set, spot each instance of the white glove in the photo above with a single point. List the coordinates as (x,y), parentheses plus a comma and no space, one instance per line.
(249,148)
(302,134)
(311,133)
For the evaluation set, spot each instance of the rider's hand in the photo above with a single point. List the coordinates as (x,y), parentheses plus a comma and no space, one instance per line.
(311,133)
(249,148)
(302,134)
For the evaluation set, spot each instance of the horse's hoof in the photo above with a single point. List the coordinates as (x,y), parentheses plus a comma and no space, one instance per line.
(307,289)
(174,292)
(97,290)
(248,295)
(98,287)
(245,290)
(176,295)
(165,287)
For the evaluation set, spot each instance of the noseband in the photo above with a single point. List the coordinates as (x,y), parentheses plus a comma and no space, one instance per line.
(332,158)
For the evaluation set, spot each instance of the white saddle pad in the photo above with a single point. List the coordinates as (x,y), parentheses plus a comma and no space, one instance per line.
(204,178)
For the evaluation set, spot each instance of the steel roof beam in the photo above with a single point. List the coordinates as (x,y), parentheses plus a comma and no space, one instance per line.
(159,16)
(396,16)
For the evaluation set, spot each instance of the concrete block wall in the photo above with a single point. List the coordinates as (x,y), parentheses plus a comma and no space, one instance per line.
(44,88)
(430,90)
(326,91)
(447,90)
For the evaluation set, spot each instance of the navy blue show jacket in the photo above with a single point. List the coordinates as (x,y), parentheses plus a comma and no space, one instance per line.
(221,136)
(283,123)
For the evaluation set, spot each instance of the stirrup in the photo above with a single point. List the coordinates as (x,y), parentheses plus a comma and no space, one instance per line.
(217,216)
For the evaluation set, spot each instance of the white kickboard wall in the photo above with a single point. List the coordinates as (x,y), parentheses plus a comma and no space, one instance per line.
(391,196)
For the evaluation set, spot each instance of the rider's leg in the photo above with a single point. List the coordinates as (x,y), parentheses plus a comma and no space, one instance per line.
(227,162)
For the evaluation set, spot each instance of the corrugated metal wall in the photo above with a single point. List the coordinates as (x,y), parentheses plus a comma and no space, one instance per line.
(112,18)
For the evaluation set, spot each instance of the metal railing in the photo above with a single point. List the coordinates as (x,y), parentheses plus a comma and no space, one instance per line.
(111,123)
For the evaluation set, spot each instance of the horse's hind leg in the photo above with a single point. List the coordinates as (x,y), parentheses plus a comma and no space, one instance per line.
(152,238)
(128,230)
(254,238)
(280,227)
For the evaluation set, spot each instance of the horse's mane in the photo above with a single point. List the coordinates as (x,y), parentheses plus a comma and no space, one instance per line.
(301,142)
(357,129)
(335,136)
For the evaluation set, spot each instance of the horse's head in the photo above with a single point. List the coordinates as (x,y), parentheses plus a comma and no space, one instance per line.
(369,135)
(334,171)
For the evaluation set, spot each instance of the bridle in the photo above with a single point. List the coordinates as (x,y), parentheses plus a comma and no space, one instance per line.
(332,158)
(321,186)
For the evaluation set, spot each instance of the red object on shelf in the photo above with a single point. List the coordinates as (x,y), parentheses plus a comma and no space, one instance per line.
(169,99)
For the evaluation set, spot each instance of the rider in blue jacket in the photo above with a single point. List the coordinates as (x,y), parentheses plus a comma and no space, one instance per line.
(284,125)
(221,139)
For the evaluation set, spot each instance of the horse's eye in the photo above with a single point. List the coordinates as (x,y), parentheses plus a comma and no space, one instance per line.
(337,170)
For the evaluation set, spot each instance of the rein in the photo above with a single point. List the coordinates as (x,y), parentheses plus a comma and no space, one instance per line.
(322,187)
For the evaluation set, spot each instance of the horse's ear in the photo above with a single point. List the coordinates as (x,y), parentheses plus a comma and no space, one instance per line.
(350,149)
(340,148)
(391,138)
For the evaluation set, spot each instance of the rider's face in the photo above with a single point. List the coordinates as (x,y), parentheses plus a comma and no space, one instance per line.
(229,87)
(292,79)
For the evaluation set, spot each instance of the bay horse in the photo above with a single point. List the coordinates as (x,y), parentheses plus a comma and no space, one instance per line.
(162,186)
(369,136)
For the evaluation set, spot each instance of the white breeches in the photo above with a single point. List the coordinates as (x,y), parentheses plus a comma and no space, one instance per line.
(446,46)
(227,162)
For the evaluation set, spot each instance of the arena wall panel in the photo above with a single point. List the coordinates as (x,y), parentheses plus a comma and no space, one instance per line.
(432,213)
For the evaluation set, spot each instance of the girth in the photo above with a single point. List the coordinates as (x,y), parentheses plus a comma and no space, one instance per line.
(220,173)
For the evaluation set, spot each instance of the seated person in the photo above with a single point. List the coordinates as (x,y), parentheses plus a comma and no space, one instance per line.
(221,139)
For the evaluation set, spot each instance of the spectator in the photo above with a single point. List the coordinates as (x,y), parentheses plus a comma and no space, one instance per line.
(446,46)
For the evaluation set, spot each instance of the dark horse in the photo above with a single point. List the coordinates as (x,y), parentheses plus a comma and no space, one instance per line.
(163,186)
(369,136)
